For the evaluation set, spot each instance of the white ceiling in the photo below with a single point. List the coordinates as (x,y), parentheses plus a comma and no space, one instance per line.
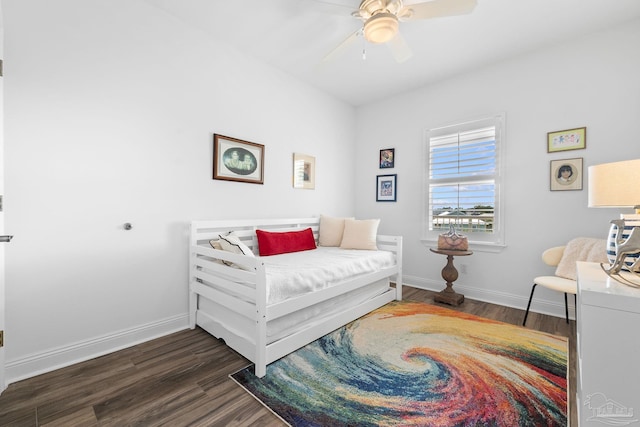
(295,36)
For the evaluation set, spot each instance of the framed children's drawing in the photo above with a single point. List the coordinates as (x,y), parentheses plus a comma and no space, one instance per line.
(564,140)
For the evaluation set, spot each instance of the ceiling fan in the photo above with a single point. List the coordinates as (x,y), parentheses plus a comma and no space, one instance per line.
(381,21)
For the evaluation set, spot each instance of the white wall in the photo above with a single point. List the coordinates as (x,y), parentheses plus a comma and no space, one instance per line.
(110,112)
(590,82)
(110,109)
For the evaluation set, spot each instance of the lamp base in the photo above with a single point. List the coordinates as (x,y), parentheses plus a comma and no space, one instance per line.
(623,244)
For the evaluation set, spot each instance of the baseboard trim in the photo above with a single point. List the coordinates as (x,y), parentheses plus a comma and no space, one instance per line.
(40,363)
(542,306)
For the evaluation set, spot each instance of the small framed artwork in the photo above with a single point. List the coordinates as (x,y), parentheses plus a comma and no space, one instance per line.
(386,188)
(566,174)
(304,171)
(237,160)
(564,140)
(387,158)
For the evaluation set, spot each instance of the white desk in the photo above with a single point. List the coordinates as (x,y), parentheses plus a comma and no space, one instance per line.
(608,346)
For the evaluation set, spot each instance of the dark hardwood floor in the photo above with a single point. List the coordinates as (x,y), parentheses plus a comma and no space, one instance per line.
(182,380)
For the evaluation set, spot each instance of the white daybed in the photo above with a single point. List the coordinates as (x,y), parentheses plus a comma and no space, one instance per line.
(231,302)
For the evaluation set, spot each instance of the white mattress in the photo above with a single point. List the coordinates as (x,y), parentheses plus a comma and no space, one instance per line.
(298,273)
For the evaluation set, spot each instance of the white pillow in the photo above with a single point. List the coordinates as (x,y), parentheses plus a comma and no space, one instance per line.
(331,230)
(231,243)
(215,244)
(360,234)
(587,249)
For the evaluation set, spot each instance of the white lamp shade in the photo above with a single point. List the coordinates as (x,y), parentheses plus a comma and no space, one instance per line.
(615,185)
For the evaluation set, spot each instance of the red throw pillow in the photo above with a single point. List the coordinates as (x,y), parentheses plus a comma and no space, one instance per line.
(270,243)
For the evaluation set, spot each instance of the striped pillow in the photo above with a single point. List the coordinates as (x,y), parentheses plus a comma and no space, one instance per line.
(231,243)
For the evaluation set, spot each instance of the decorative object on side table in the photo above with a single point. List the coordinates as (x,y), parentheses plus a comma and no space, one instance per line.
(617,185)
(452,240)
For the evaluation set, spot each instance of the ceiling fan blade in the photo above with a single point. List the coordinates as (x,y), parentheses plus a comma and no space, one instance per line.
(338,49)
(399,48)
(331,8)
(437,9)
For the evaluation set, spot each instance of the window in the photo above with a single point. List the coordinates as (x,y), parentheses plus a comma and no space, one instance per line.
(463,179)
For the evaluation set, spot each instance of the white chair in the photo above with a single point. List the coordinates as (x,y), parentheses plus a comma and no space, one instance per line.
(552,257)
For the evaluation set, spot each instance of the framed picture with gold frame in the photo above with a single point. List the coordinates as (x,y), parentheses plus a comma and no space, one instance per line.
(304,171)
(237,160)
(564,140)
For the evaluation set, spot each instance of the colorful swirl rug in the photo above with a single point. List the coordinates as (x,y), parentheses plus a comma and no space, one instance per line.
(415,364)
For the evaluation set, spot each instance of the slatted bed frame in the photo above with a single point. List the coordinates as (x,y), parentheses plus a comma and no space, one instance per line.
(213,280)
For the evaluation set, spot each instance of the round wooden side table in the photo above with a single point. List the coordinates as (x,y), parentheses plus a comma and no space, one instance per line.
(450,275)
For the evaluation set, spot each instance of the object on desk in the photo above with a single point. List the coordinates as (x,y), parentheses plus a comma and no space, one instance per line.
(452,241)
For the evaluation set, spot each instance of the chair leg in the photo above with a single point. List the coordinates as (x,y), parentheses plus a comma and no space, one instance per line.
(526,314)
(566,307)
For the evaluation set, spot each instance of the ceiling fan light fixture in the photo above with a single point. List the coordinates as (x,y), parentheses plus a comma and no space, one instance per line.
(381,27)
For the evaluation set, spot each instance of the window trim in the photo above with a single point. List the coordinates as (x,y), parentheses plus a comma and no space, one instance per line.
(480,241)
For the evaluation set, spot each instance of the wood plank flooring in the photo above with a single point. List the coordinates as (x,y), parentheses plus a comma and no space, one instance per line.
(182,380)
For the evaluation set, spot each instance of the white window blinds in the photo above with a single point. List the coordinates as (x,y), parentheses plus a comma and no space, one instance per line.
(463,180)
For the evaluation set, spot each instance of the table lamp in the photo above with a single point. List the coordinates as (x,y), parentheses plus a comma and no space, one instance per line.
(617,185)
